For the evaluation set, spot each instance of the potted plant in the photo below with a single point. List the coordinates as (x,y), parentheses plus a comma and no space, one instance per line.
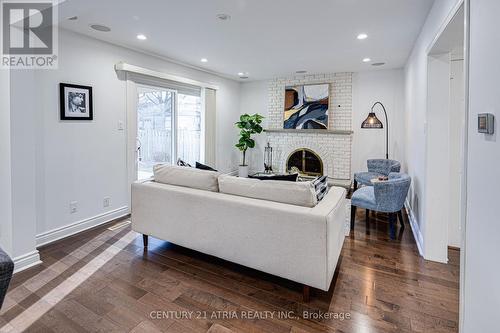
(248,125)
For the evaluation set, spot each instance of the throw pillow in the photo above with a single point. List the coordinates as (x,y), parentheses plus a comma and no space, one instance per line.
(204,167)
(321,187)
(181,162)
(291,178)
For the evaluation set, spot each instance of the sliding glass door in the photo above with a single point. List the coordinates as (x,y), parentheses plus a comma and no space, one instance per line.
(169,126)
(155,120)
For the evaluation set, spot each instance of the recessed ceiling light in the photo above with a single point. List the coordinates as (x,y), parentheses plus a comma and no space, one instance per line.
(141,37)
(204,60)
(378,64)
(73,18)
(100,27)
(301,72)
(241,74)
(367,60)
(362,36)
(223,17)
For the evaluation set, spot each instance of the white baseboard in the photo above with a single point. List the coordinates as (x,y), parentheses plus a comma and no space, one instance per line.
(415,229)
(79,226)
(26,261)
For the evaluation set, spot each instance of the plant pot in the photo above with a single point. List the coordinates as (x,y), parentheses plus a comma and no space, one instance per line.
(243,171)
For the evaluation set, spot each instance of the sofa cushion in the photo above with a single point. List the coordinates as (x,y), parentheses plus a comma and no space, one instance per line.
(204,167)
(181,162)
(188,177)
(320,187)
(293,193)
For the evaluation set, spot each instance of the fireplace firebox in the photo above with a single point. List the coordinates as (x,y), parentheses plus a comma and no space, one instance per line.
(306,162)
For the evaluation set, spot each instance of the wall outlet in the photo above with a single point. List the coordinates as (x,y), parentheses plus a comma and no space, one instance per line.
(106,202)
(121,126)
(73,207)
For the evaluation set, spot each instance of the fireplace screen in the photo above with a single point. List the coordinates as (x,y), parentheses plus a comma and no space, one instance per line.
(306,162)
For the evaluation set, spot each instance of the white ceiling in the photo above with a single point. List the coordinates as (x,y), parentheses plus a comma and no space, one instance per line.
(265,38)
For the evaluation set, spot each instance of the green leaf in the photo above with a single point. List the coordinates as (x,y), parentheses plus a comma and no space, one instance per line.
(248,125)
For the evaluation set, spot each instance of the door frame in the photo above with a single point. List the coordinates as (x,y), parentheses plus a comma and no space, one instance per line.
(465,144)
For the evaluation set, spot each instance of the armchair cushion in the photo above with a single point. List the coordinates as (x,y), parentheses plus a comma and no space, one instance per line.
(365,198)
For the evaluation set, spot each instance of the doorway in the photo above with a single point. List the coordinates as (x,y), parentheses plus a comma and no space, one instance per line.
(445,135)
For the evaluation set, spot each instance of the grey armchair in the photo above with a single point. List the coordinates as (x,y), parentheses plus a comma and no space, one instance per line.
(386,196)
(376,168)
(6,269)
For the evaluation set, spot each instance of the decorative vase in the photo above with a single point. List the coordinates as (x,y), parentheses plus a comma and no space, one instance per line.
(243,171)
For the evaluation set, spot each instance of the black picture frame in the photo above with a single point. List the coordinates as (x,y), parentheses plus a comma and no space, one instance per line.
(82,110)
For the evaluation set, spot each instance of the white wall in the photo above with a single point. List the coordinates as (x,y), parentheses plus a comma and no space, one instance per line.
(482,246)
(368,87)
(386,86)
(23,143)
(255,99)
(456,125)
(436,193)
(5,164)
(86,161)
(415,115)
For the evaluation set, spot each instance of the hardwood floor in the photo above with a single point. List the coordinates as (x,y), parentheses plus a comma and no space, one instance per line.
(103,281)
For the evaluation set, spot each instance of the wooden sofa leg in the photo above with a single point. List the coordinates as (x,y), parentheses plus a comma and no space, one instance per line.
(305,293)
(145,240)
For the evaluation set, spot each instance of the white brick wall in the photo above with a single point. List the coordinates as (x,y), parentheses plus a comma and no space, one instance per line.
(334,149)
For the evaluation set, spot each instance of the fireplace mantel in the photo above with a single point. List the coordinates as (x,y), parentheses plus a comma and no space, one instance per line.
(309,131)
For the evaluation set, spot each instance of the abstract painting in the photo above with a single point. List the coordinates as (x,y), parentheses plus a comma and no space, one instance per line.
(306,106)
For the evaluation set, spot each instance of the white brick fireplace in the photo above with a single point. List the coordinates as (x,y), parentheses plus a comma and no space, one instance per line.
(334,145)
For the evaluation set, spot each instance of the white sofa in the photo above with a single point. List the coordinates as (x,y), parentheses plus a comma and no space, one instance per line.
(298,243)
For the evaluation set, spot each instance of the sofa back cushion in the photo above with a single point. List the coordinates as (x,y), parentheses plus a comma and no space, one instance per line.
(293,193)
(188,177)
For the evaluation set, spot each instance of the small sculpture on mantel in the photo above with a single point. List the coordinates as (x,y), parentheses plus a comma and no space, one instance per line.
(268,158)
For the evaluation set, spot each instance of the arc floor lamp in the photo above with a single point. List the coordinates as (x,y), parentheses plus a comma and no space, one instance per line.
(373,122)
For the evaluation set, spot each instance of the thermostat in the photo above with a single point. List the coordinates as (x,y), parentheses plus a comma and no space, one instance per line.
(485,123)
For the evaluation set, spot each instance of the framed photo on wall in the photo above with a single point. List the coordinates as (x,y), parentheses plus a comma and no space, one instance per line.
(75,102)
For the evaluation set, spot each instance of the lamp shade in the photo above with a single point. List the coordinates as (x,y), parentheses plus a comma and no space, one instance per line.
(372,121)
